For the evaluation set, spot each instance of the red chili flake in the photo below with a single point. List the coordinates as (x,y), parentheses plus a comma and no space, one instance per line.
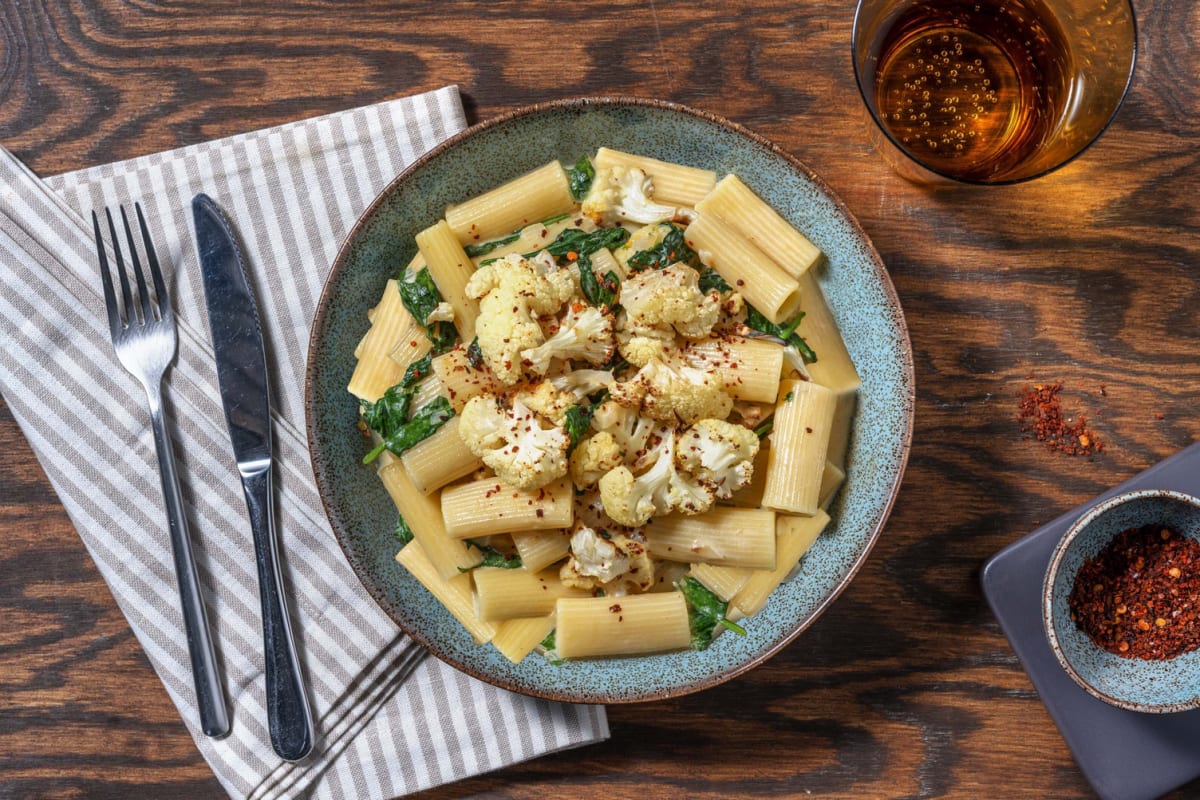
(615,608)
(1041,417)
(540,513)
(1139,596)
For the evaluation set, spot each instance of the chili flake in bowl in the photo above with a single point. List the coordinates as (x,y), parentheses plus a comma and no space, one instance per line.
(1121,601)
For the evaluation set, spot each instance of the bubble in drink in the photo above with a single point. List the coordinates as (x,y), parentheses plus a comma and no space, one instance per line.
(973,89)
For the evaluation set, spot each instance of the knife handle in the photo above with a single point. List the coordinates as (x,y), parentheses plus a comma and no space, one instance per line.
(288,716)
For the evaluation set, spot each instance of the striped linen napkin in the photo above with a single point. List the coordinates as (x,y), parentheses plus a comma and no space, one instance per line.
(389,721)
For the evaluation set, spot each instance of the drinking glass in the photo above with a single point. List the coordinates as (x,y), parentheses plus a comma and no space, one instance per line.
(991,91)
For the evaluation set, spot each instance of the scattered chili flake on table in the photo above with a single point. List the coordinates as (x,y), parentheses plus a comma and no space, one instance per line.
(1042,418)
(1139,596)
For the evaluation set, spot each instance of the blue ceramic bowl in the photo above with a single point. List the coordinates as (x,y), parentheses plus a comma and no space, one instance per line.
(855,282)
(1130,683)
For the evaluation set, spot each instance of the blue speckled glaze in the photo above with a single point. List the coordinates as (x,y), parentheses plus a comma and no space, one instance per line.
(856,285)
(1131,683)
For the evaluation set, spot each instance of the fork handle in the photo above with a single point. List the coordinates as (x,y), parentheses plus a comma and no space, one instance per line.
(214,718)
(289,718)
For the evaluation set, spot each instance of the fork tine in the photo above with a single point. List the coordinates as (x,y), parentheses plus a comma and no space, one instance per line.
(160,288)
(110,297)
(147,309)
(127,300)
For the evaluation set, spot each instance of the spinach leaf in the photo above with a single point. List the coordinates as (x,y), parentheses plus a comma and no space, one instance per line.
(403,532)
(548,644)
(390,412)
(599,291)
(423,424)
(579,178)
(420,296)
(705,612)
(583,244)
(579,417)
(671,249)
(711,279)
(492,557)
(474,354)
(786,332)
(483,248)
(575,245)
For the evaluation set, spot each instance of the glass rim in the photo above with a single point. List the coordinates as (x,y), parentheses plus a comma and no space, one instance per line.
(862,92)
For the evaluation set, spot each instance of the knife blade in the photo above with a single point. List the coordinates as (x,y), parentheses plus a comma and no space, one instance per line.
(245,394)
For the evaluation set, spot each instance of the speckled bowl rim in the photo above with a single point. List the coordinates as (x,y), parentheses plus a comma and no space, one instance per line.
(1056,561)
(718,677)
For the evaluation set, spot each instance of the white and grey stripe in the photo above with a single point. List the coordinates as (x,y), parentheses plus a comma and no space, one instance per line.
(389,721)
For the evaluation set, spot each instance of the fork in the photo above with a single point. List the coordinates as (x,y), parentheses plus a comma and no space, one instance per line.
(145,339)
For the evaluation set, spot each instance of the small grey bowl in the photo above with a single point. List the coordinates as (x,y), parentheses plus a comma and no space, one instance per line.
(1155,687)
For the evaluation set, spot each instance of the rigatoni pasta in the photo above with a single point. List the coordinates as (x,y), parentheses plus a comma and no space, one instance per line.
(610,404)
(737,204)
(608,626)
(537,195)
(799,445)
(757,277)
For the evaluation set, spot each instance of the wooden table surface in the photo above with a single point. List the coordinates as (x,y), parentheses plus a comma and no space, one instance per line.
(905,687)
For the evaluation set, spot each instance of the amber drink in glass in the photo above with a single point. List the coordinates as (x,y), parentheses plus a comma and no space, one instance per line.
(991,91)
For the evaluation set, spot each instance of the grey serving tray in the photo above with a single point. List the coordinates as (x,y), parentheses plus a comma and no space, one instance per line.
(1123,754)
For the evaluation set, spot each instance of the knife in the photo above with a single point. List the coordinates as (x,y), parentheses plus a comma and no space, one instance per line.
(242,373)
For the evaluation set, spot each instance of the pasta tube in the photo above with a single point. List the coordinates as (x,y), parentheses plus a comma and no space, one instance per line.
(834,367)
(799,444)
(626,625)
(534,196)
(424,517)
(440,459)
(392,328)
(674,184)
(516,638)
(737,204)
(460,380)
(512,593)
(454,592)
(793,538)
(451,268)
(748,368)
(724,582)
(736,537)
(761,281)
(487,506)
(540,549)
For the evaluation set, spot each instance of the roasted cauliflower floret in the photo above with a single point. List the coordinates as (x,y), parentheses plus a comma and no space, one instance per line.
(614,564)
(668,391)
(657,301)
(579,383)
(593,457)
(513,292)
(632,500)
(719,454)
(640,350)
(544,399)
(596,557)
(513,443)
(638,438)
(585,333)
(622,194)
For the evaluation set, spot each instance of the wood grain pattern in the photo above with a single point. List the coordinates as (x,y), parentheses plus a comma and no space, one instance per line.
(905,688)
